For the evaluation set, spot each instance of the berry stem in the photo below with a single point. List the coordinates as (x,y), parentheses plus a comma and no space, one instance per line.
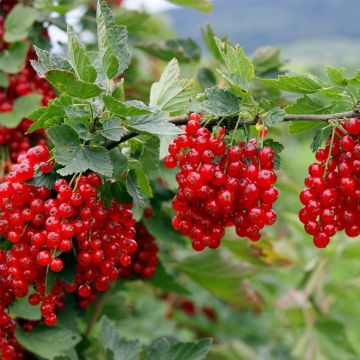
(330,150)
(183,119)
(99,307)
(234,131)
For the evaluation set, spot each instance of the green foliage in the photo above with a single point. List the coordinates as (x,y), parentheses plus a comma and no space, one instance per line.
(22,309)
(172,94)
(18,23)
(278,148)
(47,61)
(266,60)
(169,348)
(81,61)
(238,68)
(220,102)
(13,57)
(202,5)
(184,50)
(48,342)
(112,41)
(75,156)
(4,80)
(119,348)
(154,124)
(300,84)
(125,109)
(22,107)
(218,274)
(66,82)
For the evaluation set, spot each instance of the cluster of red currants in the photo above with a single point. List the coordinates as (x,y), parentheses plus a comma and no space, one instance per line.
(145,259)
(43,225)
(332,196)
(24,83)
(220,185)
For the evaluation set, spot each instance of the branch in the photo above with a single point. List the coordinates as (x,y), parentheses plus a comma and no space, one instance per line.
(183,119)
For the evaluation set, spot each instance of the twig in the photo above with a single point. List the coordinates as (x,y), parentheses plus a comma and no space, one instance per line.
(183,119)
(97,312)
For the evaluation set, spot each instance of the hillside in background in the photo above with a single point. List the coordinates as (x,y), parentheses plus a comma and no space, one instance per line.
(310,31)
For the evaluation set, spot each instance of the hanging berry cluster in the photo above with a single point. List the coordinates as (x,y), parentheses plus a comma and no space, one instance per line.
(220,185)
(145,259)
(43,225)
(26,82)
(331,200)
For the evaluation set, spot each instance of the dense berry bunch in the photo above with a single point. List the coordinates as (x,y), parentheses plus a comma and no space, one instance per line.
(332,196)
(220,185)
(145,259)
(45,225)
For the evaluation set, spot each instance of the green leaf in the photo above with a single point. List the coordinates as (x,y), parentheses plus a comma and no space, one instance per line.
(23,106)
(4,80)
(112,41)
(13,57)
(274,116)
(111,340)
(220,102)
(22,309)
(166,348)
(206,78)
(47,342)
(119,91)
(53,114)
(150,156)
(63,137)
(298,127)
(296,83)
(155,124)
(127,108)
(266,59)
(336,75)
(66,82)
(278,148)
(201,5)
(75,156)
(171,93)
(184,50)
(209,39)
(47,61)
(160,227)
(133,189)
(67,275)
(309,105)
(81,127)
(317,140)
(167,282)
(18,23)
(40,179)
(80,60)
(142,179)
(218,274)
(236,61)
(119,162)
(119,192)
(113,129)
(95,158)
